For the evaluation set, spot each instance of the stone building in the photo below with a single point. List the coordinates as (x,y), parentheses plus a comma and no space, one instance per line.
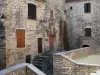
(82,21)
(27,28)
(52,25)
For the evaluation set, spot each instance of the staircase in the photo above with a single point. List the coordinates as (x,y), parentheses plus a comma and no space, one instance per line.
(44,62)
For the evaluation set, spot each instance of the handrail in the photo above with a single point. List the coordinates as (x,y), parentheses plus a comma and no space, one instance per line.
(16,67)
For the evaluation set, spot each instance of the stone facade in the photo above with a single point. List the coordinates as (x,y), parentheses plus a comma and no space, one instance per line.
(15,17)
(72,12)
(64,20)
(78,20)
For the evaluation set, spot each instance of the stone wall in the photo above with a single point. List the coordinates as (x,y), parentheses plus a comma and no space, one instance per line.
(65,65)
(30,72)
(21,71)
(77,53)
(77,21)
(16,17)
(15,12)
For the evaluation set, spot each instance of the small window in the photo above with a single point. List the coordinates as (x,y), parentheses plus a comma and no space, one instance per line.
(31,11)
(65,11)
(20,35)
(51,14)
(71,7)
(87,7)
(88,32)
(28,59)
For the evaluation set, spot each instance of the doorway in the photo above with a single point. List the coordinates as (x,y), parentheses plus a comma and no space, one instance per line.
(39,45)
(51,42)
(28,58)
(85,46)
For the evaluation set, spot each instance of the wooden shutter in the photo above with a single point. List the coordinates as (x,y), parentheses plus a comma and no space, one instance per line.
(20,34)
(31,11)
(87,8)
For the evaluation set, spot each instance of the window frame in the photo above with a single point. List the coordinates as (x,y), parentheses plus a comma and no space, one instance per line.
(87,8)
(30,8)
(88,32)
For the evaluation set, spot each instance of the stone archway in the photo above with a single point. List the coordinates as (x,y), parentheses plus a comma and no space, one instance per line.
(85,46)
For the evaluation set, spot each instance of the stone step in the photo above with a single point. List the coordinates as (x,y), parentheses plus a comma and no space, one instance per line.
(43,56)
(39,60)
(46,54)
(43,62)
(36,61)
(37,64)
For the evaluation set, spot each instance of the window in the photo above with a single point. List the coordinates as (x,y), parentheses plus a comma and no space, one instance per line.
(65,11)
(31,11)
(28,59)
(51,13)
(20,35)
(88,32)
(87,7)
(71,7)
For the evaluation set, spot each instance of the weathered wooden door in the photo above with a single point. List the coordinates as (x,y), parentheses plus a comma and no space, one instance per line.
(51,41)
(39,45)
(20,35)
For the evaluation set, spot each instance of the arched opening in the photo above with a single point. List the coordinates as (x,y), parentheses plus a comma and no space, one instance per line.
(85,46)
